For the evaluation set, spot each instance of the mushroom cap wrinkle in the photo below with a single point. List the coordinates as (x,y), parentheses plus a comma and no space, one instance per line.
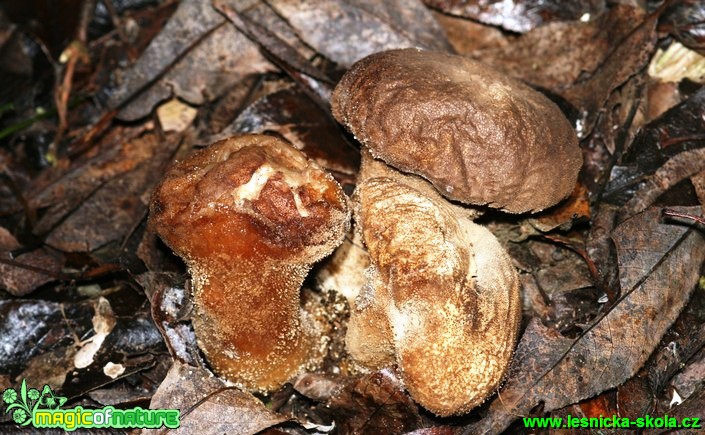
(478,136)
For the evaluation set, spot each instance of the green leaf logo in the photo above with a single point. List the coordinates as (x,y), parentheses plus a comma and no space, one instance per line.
(21,405)
(18,405)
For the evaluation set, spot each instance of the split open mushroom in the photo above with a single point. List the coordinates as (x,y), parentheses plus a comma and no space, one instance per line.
(250,215)
(442,298)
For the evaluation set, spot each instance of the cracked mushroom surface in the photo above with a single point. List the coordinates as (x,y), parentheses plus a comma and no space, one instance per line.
(249,215)
(478,135)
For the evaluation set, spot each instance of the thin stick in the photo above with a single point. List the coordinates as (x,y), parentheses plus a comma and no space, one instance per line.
(674,213)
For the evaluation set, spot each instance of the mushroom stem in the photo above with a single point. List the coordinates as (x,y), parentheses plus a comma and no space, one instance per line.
(266,337)
(440,285)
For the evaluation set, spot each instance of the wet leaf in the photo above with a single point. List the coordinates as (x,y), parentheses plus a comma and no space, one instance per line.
(290,113)
(31,328)
(675,170)
(117,206)
(685,20)
(131,345)
(679,129)
(518,15)
(604,274)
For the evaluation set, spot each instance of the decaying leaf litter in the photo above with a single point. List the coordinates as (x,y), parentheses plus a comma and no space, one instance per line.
(612,279)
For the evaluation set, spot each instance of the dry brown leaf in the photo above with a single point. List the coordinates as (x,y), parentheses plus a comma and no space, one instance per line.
(626,60)
(660,267)
(19,281)
(467,36)
(197,57)
(558,55)
(678,168)
(345,31)
(119,204)
(208,406)
(698,181)
(374,403)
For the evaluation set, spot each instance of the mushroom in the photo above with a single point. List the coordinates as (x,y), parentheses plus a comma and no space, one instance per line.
(480,137)
(442,298)
(249,215)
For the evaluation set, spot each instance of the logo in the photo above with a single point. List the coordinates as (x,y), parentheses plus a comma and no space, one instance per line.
(29,406)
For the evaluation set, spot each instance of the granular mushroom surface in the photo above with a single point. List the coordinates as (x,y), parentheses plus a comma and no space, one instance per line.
(250,215)
(449,293)
(442,298)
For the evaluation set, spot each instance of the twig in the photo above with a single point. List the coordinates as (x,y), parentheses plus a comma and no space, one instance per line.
(674,213)
(74,53)
(115,18)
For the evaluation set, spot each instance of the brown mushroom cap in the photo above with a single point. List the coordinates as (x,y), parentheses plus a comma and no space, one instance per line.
(479,136)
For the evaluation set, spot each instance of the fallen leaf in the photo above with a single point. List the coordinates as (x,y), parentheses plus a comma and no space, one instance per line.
(659,268)
(345,31)
(60,190)
(175,116)
(320,387)
(374,403)
(684,19)
(30,328)
(626,60)
(42,266)
(290,113)
(560,55)
(171,310)
(208,406)
(572,209)
(467,36)
(518,15)
(677,130)
(196,57)
(675,170)
(118,205)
